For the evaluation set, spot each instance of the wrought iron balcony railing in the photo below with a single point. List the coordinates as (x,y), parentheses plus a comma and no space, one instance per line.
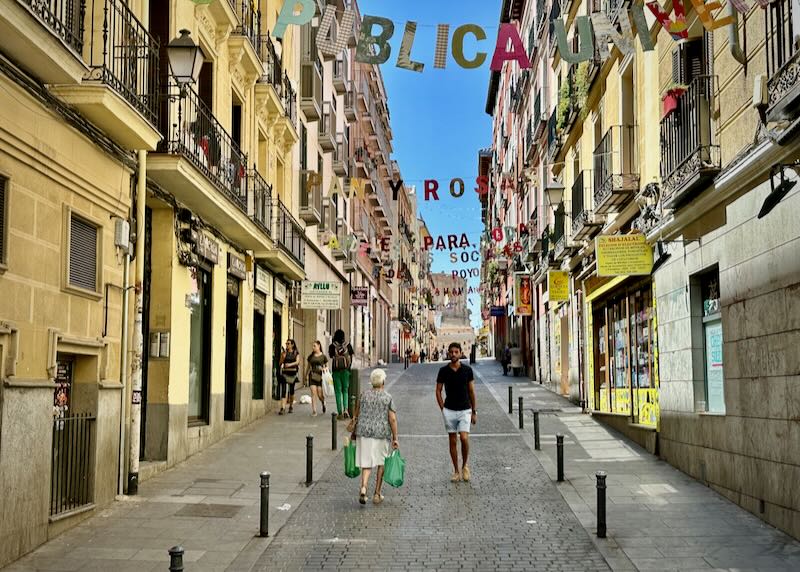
(289,235)
(616,169)
(289,99)
(199,137)
(63,17)
(259,200)
(124,56)
(584,221)
(689,155)
(783,60)
(273,69)
(249,21)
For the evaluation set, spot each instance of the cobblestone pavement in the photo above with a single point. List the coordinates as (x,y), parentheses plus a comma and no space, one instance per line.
(509,517)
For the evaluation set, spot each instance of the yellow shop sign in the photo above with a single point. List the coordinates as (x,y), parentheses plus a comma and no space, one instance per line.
(623,255)
(558,285)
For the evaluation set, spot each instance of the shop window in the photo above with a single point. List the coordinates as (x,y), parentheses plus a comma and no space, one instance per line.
(3,218)
(708,358)
(83,254)
(200,349)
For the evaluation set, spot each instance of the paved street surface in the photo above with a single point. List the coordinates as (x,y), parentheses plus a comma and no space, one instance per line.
(512,516)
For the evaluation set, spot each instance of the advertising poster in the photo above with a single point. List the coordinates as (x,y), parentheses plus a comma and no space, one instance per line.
(523,304)
(627,255)
(558,285)
(359,296)
(321,295)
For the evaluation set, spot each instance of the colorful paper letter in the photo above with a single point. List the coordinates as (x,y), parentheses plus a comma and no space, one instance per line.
(585,41)
(404,56)
(704,9)
(368,40)
(677,29)
(440,55)
(605,32)
(509,32)
(458,46)
(287,16)
(325,45)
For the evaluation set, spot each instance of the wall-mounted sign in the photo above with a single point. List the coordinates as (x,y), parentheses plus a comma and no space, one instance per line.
(236,266)
(280,291)
(359,296)
(558,285)
(321,295)
(623,255)
(523,304)
(263,281)
(497,311)
(207,248)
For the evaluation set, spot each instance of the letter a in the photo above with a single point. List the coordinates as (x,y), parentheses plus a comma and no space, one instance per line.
(508,32)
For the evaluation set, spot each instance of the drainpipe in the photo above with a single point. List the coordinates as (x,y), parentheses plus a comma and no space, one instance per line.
(123,371)
(733,36)
(138,341)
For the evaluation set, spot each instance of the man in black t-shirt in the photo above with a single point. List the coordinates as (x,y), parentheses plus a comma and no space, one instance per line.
(458,408)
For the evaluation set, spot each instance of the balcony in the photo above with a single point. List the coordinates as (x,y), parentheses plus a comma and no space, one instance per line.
(311,89)
(585,224)
(341,231)
(275,95)
(553,136)
(616,166)
(689,157)
(310,202)
(350,111)
(45,38)
(259,200)
(244,41)
(198,162)
(289,258)
(612,8)
(340,75)
(341,165)
(327,128)
(119,94)
(783,60)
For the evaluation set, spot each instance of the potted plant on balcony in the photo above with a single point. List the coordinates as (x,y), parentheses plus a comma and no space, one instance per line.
(672,96)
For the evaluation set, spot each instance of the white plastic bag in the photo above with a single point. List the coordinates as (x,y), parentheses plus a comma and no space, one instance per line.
(327,383)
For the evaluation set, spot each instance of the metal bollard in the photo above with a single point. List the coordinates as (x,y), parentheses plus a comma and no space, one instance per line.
(601,503)
(536,444)
(521,421)
(264,521)
(510,400)
(333,432)
(309,459)
(176,559)
(560,456)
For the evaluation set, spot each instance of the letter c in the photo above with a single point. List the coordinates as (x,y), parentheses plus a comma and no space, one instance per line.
(458,46)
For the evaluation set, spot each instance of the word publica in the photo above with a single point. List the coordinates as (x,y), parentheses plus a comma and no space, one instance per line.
(374,48)
(598,29)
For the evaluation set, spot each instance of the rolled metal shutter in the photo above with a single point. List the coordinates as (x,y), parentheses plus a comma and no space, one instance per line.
(83,254)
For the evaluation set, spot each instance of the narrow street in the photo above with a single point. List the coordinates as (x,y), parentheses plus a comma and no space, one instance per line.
(509,517)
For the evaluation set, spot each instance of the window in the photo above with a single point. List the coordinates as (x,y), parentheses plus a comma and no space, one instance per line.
(3,218)
(708,362)
(83,254)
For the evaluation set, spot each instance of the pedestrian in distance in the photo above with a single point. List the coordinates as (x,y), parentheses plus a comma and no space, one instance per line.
(341,355)
(435,354)
(290,365)
(316,362)
(375,429)
(506,359)
(408,357)
(458,407)
(422,355)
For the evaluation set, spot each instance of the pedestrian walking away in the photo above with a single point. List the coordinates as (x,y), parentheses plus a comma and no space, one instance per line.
(458,407)
(341,354)
(316,362)
(408,357)
(506,359)
(290,365)
(422,356)
(374,425)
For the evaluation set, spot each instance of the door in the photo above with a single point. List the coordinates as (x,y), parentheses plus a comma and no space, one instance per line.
(148,251)
(259,354)
(232,350)
(200,349)
(277,340)
(564,353)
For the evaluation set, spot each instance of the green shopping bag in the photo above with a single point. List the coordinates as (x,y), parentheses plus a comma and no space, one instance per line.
(393,469)
(350,467)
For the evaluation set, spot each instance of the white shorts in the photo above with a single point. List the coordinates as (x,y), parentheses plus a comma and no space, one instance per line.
(457,421)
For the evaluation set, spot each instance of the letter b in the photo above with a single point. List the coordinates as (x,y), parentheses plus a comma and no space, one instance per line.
(367,39)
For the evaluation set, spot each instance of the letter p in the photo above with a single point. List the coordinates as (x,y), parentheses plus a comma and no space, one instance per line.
(287,16)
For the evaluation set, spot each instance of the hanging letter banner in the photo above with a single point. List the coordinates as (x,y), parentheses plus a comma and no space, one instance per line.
(626,255)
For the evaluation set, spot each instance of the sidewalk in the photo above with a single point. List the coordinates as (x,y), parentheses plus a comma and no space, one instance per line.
(209,504)
(658,518)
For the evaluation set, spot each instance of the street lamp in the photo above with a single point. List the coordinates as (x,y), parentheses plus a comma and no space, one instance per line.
(555,193)
(777,193)
(185,59)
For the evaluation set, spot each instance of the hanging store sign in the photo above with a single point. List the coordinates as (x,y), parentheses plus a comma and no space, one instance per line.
(321,295)
(359,296)
(626,255)
(280,292)
(523,305)
(497,311)
(207,248)
(558,285)
(236,267)
(263,280)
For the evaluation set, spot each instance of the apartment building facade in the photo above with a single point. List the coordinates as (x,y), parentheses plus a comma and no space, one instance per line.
(667,144)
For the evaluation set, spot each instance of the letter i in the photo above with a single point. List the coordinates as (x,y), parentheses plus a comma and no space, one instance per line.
(440,55)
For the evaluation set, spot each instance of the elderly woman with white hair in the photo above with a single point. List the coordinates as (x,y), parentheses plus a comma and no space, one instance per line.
(375,428)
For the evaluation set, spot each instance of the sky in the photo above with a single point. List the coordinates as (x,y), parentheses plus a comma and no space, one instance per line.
(438,116)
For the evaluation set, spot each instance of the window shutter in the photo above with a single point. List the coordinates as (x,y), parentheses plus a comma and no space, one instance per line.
(83,254)
(3,219)
(695,60)
(678,69)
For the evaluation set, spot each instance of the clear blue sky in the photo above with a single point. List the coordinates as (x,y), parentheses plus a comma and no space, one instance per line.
(438,118)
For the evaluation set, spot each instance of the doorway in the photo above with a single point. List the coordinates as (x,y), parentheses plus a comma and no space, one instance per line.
(146,288)
(200,349)
(232,350)
(259,341)
(277,340)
